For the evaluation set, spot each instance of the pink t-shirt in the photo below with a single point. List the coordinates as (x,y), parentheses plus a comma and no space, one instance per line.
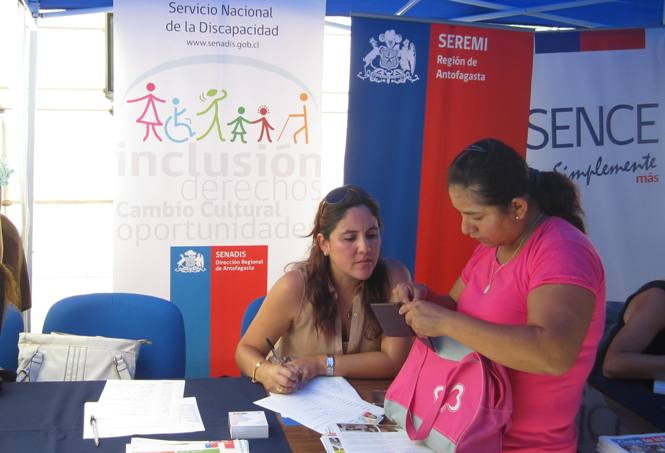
(544,406)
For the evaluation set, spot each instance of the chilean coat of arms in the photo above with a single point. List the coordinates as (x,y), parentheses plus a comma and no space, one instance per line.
(392,59)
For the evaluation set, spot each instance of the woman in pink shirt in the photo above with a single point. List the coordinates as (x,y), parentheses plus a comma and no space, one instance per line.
(532,295)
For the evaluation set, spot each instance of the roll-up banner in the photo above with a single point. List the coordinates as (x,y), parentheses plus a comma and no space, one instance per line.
(218,109)
(597,116)
(419,93)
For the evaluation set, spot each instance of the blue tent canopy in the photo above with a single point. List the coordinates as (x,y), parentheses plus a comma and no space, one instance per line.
(554,13)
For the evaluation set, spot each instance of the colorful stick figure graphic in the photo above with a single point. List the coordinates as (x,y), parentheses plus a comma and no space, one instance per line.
(149,117)
(265,125)
(173,122)
(303,98)
(215,120)
(238,127)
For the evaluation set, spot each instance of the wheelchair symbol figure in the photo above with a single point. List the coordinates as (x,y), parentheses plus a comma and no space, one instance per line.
(176,130)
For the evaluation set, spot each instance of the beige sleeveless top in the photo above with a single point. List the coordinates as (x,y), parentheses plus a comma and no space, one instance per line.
(302,339)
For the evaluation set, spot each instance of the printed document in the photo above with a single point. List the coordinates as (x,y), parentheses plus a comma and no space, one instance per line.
(142,407)
(323,401)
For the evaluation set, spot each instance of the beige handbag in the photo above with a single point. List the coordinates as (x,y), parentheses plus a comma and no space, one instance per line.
(65,357)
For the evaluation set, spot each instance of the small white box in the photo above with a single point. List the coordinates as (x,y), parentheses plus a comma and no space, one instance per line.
(248,425)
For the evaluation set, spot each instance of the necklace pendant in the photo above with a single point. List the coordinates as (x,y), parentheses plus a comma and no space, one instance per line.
(487,288)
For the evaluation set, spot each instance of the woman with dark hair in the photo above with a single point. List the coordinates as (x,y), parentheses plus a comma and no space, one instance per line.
(318,313)
(532,295)
(634,347)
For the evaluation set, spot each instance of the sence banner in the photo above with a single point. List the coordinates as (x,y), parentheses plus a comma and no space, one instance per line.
(597,116)
(218,115)
(419,94)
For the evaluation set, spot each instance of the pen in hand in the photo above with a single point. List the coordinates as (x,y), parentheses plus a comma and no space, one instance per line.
(95,433)
(281,360)
(274,352)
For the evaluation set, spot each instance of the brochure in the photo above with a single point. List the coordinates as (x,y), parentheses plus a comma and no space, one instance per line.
(144,445)
(632,443)
(369,438)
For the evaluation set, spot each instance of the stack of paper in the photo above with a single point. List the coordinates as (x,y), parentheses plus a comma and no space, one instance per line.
(140,445)
(632,443)
(141,407)
(324,401)
(367,438)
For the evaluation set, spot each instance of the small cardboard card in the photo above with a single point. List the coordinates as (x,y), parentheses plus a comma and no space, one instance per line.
(248,425)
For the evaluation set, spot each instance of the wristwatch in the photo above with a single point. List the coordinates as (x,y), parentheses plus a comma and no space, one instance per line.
(330,365)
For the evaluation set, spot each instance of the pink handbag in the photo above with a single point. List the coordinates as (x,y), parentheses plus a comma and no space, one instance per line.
(451,398)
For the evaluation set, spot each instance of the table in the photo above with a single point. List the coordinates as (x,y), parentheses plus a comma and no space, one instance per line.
(47,417)
(305,440)
(617,407)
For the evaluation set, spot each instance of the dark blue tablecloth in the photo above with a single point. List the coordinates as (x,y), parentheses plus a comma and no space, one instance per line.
(47,417)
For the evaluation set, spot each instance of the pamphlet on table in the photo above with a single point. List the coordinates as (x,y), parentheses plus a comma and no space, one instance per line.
(632,443)
(369,438)
(143,445)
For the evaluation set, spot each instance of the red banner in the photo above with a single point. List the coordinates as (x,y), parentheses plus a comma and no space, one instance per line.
(479,85)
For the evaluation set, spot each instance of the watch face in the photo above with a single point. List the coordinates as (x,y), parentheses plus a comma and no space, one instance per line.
(330,365)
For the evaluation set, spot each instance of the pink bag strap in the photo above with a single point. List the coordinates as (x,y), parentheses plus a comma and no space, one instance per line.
(430,417)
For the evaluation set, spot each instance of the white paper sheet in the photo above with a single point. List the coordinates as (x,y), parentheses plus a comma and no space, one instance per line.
(143,396)
(142,407)
(324,401)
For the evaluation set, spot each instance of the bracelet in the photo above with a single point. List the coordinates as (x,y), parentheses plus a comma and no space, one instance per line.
(256,367)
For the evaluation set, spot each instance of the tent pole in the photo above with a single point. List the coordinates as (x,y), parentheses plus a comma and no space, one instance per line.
(75,12)
(405,9)
(28,205)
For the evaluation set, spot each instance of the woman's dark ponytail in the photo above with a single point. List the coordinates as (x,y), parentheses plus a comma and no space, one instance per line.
(497,173)
(556,195)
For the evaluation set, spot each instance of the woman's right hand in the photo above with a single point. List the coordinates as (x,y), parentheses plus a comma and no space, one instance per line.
(278,378)
(408,292)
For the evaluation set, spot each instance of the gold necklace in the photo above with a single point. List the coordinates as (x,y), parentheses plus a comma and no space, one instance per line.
(525,235)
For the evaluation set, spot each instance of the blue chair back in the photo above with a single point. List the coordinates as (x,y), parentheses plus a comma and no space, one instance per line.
(125,315)
(12,325)
(250,312)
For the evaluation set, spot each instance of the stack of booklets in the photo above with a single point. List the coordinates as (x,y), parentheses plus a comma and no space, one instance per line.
(632,443)
(369,438)
(143,445)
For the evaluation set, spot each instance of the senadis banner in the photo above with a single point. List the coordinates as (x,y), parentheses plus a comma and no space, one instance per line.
(218,108)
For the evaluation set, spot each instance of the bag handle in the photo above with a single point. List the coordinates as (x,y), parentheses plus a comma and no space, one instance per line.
(30,372)
(495,387)
(121,367)
(430,417)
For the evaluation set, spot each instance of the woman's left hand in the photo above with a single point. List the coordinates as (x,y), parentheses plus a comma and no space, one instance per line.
(425,318)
